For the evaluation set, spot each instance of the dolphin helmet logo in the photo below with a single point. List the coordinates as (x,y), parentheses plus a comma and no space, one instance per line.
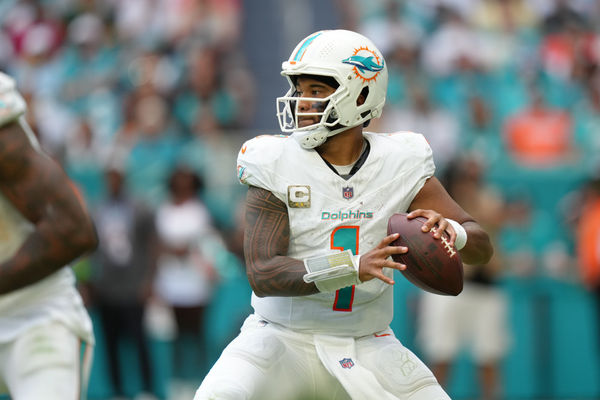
(366,63)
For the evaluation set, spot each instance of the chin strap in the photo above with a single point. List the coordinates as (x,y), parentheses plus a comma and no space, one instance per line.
(311,138)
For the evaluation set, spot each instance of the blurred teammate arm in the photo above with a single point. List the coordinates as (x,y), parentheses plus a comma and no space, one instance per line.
(40,190)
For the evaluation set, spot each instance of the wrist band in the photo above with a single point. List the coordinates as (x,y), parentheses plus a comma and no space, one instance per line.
(461,234)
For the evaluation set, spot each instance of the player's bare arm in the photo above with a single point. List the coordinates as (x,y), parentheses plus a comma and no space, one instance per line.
(434,203)
(40,190)
(266,239)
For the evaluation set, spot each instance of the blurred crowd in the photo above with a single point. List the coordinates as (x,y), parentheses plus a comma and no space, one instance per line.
(509,87)
(138,85)
(145,103)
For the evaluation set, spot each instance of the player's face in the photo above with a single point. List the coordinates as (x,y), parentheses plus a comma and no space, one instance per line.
(311,88)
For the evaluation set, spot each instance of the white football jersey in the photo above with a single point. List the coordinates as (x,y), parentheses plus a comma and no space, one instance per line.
(12,104)
(54,298)
(328,214)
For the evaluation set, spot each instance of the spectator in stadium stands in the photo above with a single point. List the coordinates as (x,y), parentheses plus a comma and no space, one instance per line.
(586,117)
(84,159)
(122,278)
(508,16)
(539,136)
(454,56)
(453,46)
(35,70)
(563,15)
(519,236)
(204,92)
(153,150)
(87,61)
(440,127)
(565,57)
(480,133)
(400,40)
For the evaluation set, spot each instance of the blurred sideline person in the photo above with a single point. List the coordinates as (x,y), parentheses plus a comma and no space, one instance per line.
(476,319)
(316,200)
(123,274)
(186,277)
(44,225)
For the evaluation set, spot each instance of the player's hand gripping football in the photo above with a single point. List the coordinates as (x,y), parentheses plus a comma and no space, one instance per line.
(373,262)
(434,218)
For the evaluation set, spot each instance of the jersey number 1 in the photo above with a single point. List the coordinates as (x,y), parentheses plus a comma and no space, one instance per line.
(344,238)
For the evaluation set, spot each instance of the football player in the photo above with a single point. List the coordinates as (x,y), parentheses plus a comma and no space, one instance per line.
(316,245)
(43,226)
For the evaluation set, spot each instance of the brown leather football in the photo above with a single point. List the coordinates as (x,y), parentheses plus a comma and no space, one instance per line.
(432,264)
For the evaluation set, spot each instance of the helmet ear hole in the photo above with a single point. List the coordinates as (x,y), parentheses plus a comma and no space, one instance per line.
(360,100)
(362,97)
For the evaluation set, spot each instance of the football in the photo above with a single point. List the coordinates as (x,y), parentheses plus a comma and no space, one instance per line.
(432,264)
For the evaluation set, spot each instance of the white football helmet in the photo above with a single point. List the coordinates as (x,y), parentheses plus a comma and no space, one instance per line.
(355,63)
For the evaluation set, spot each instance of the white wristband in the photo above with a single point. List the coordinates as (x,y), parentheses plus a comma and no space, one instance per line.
(461,234)
(333,272)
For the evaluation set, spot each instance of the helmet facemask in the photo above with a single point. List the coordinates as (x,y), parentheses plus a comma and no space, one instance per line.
(324,108)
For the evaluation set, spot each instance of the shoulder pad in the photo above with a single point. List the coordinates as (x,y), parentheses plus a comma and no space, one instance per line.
(405,137)
(257,158)
(413,145)
(410,141)
(12,105)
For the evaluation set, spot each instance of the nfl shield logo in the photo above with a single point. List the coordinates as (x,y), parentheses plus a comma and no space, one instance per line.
(348,192)
(347,363)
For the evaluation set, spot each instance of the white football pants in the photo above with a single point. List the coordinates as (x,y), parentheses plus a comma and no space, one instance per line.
(268,362)
(45,363)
